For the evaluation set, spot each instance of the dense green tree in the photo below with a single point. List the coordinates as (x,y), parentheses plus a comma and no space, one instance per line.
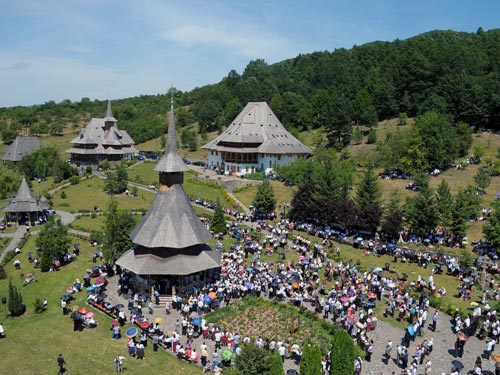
(464,135)
(392,221)
(491,229)
(440,144)
(118,224)
(116,182)
(343,353)
(9,182)
(460,214)
(444,203)
(252,361)
(369,189)
(357,136)
(333,112)
(39,163)
(264,200)
(275,364)
(420,210)
(482,178)
(367,201)
(15,303)
(310,363)
(188,139)
(218,223)
(8,134)
(364,111)
(372,137)
(53,241)
(183,118)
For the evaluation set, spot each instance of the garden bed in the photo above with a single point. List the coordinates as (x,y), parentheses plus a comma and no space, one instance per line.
(254,317)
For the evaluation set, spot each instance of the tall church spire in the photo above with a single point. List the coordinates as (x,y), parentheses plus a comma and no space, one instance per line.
(171,166)
(171,132)
(109,112)
(109,119)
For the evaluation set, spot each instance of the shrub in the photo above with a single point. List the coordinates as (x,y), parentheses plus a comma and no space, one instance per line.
(310,364)
(254,176)
(74,180)
(15,304)
(63,195)
(38,305)
(3,274)
(372,137)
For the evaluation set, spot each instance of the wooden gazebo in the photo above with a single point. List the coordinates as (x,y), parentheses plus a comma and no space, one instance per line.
(24,205)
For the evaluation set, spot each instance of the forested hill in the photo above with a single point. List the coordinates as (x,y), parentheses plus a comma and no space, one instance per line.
(449,72)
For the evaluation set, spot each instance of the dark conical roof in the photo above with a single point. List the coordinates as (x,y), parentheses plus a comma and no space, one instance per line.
(171,161)
(109,113)
(24,201)
(170,222)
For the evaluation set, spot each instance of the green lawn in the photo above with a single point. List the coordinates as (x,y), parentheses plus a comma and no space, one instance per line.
(282,193)
(144,173)
(39,338)
(90,192)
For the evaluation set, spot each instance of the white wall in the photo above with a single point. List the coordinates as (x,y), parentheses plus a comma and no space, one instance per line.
(264,161)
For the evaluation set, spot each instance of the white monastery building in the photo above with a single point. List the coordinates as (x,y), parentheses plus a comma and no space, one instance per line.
(255,140)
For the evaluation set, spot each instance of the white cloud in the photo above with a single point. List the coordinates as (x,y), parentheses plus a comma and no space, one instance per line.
(216,26)
(248,45)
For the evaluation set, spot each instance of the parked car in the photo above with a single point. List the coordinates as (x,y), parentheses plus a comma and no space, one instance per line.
(186,161)
(199,163)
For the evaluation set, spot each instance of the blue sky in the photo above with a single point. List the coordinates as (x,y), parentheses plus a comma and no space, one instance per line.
(69,49)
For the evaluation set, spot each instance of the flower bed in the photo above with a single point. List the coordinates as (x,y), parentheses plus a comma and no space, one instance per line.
(254,317)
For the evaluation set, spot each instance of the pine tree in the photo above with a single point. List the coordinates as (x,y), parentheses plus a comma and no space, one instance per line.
(420,210)
(369,190)
(218,223)
(458,219)
(444,203)
(343,353)
(491,229)
(368,201)
(264,200)
(15,304)
(310,363)
(393,220)
(482,178)
(275,364)
(118,225)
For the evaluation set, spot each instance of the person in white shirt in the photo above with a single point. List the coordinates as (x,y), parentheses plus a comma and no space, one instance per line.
(282,352)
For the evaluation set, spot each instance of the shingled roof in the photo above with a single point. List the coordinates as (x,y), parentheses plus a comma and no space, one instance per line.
(21,147)
(257,129)
(185,262)
(97,133)
(171,161)
(24,201)
(170,222)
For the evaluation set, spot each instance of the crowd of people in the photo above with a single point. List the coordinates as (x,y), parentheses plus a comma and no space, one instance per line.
(338,291)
